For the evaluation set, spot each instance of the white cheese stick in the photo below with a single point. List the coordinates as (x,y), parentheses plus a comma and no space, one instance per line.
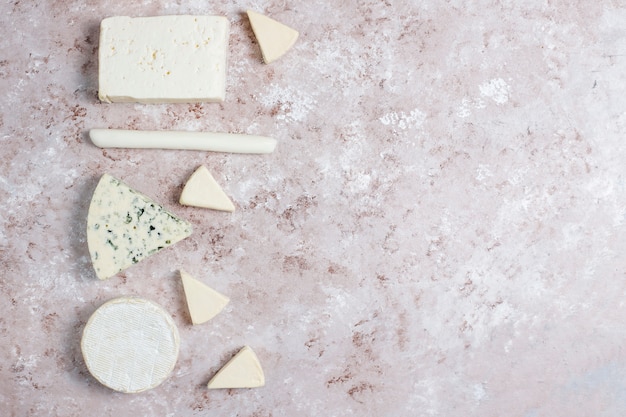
(197,141)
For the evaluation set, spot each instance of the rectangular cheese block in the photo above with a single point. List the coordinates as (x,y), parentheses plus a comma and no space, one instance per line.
(163,59)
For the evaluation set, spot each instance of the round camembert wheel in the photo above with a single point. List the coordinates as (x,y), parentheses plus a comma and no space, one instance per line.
(130,344)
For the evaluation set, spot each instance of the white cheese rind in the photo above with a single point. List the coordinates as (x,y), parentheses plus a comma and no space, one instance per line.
(201,190)
(242,371)
(125,226)
(163,59)
(203,302)
(130,344)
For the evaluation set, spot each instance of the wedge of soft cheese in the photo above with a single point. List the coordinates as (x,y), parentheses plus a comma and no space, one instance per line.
(201,190)
(203,302)
(242,371)
(125,226)
(130,344)
(274,38)
(163,59)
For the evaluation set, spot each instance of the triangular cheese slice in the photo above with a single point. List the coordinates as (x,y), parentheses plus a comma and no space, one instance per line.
(242,371)
(274,38)
(201,190)
(203,302)
(124,227)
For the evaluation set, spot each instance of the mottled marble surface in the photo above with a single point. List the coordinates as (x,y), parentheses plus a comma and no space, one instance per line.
(440,232)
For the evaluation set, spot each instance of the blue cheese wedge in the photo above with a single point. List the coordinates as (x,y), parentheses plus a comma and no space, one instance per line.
(125,226)
(163,59)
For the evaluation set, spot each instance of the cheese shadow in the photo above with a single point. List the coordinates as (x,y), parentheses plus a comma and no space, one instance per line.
(78,242)
(247,29)
(89,63)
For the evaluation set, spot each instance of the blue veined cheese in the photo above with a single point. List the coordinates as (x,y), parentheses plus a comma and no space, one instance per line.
(125,226)
(163,59)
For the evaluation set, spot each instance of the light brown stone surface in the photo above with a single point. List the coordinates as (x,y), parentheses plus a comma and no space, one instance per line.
(440,231)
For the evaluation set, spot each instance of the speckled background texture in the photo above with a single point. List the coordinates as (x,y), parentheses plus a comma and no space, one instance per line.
(440,231)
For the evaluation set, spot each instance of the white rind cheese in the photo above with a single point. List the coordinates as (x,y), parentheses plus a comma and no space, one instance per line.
(242,371)
(130,344)
(125,226)
(163,59)
(201,190)
(203,302)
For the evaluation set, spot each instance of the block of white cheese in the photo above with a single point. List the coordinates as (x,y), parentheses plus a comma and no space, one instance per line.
(130,344)
(163,59)
(201,190)
(125,226)
(203,302)
(242,371)
(274,38)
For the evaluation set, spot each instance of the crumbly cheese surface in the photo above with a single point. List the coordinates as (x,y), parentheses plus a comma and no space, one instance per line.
(163,59)
(125,226)
(130,344)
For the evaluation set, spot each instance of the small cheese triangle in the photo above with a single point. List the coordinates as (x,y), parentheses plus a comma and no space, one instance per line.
(242,371)
(125,226)
(203,302)
(274,38)
(201,190)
